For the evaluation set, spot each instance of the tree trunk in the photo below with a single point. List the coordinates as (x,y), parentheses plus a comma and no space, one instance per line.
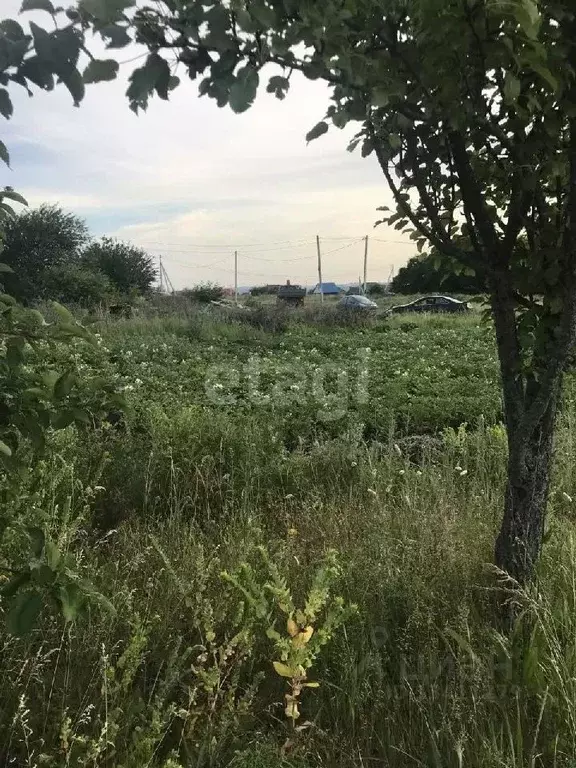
(519,542)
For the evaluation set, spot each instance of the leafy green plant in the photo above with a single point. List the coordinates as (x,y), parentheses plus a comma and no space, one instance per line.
(34,401)
(306,630)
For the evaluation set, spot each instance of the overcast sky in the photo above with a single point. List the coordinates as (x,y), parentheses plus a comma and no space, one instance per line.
(192,182)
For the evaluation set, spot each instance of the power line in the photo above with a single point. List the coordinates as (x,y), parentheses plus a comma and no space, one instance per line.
(282,244)
(277,261)
(396,242)
(343,247)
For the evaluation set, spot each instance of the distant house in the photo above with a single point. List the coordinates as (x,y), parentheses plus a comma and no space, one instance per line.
(328,289)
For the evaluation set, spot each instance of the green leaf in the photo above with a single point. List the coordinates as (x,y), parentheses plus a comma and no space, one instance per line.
(42,42)
(556,305)
(367,147)
(512,88)
(278,86)
(99,70)
(34,69)
(5,269)
(37,5)
(5,449)
(64,384)
(81,416)
(71,599)
(284,670)
(380,97)
(4,154)
(265,16)
(16,582)
(528,17)
(24,613)
(243,91)
(106,10)
(63,419)
(15,351)
(52,554)
(12,29)
(72,79)
(9,193)
(43,575)
(116,36)
(317,131)
(6,107)
(63,313)
(154,75)
(37,540)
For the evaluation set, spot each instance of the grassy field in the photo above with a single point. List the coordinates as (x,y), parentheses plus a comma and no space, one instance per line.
(294,459)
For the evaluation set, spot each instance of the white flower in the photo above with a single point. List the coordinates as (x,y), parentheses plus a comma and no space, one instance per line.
(464,473)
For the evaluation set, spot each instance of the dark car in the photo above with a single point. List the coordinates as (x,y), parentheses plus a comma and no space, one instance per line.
(433,304)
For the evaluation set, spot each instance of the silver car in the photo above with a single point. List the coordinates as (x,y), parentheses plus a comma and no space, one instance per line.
(356,302)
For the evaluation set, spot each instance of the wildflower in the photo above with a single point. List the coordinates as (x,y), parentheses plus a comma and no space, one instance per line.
(292,532)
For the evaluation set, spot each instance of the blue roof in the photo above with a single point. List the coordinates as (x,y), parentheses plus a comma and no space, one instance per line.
(327,288)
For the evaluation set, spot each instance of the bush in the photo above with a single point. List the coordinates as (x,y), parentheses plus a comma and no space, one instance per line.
(204,293)
(75,284)
(129,268)
(38,240)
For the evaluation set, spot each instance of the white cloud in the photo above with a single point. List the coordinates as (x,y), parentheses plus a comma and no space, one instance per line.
(188,172)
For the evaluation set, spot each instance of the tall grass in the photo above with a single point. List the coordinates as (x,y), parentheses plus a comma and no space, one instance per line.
(175,676)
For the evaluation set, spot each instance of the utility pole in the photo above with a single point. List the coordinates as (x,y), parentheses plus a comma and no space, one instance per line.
(320,268)
(236,276)
(390,278)
(365,261)
(167,281)
(161,271)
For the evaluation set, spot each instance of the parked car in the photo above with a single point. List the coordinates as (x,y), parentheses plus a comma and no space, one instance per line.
(432,304)
(356,302)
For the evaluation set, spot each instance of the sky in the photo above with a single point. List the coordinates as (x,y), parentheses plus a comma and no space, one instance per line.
(192,183)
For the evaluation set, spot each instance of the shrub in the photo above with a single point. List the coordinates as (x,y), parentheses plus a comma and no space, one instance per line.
(129,268)
(75,284)
(204,293)
(37,240)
